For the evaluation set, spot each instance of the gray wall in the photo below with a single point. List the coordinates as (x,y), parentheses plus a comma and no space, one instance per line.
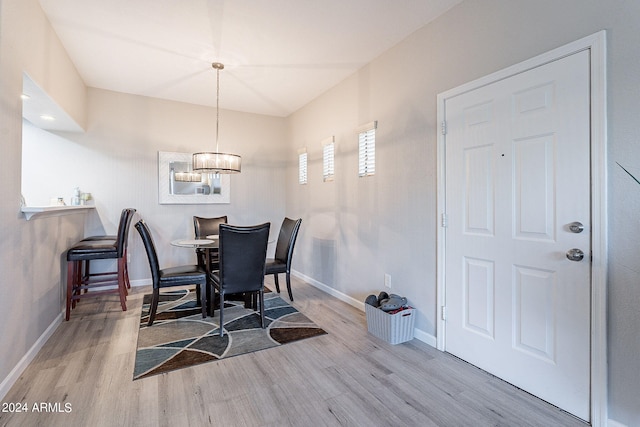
(30,252)
(116,160)
(356,229)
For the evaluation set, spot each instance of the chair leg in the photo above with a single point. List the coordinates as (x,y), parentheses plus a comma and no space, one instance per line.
(199,294)
(70,278)
(76,283)
(275,278)
(125,278)
(122,287)
(154,306)
(221,313)
(261,292)
(251,300)
(126,275)
(122,276)
(84,273)
(126,271)
(288,276)
(202,296)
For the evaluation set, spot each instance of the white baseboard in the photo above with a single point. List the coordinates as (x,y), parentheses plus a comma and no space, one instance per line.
(140,282)
(134,283)
(425,337)
(15,373)
(612,423)
(418,333)
(329,290)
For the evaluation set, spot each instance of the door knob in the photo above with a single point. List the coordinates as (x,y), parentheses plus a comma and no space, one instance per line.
(575,255)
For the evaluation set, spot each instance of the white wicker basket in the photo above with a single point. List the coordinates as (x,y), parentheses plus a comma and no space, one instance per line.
(393,328)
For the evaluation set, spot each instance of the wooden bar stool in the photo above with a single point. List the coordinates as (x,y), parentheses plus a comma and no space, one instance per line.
(80,281)
(125,221)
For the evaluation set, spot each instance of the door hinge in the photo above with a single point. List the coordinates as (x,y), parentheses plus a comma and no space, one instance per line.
(443,126)
(444,221)
(443,310)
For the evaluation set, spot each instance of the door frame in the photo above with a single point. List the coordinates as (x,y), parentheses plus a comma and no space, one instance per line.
(596,44)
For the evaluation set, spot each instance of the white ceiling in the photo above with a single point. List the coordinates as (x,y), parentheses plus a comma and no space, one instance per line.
(278,54)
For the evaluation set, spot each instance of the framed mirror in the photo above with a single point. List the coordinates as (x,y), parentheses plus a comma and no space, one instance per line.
(179,184)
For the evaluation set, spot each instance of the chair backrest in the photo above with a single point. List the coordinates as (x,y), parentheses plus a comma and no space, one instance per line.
(287,240)
(122,237)
(206,226)
(150,247)
(243,252)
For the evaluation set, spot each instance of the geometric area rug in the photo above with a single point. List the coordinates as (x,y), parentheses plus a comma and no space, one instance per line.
(180,337)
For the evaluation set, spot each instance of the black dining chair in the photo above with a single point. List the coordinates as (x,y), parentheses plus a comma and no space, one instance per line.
(167,277)
(243,251)
(204,227)
(281,263)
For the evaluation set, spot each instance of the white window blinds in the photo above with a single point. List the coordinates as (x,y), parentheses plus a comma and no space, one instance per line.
(302,167)
(328,154)
(367,149)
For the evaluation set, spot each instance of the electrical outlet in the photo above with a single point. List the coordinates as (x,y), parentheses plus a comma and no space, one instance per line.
(387,280)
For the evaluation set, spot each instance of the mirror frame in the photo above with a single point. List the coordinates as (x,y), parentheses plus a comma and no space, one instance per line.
(165,158)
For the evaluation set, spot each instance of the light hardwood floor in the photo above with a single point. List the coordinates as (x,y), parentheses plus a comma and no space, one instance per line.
(344,378)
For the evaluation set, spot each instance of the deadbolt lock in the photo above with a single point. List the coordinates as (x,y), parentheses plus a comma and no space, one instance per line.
(576,227)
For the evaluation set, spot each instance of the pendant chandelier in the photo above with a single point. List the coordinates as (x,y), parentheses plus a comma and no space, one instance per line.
(216,162)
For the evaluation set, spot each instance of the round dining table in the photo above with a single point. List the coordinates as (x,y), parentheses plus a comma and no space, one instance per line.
(211,242)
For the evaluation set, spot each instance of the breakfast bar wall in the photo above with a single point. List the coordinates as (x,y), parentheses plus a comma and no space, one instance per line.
(30,291)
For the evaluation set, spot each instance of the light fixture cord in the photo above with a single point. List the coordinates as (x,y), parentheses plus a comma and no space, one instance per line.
(217,105)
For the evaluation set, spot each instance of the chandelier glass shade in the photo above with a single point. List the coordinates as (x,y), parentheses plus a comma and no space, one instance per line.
(215,161)
(188,176)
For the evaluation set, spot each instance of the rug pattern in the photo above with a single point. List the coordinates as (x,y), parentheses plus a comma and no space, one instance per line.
(180,337)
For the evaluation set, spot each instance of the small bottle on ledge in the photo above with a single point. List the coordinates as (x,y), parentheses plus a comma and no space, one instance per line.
(75,199)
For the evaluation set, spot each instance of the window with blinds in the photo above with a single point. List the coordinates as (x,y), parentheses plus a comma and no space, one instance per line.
(302,167)
(367,149)
(328,152)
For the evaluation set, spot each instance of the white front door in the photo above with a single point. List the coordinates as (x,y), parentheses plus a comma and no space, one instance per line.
(517,179)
